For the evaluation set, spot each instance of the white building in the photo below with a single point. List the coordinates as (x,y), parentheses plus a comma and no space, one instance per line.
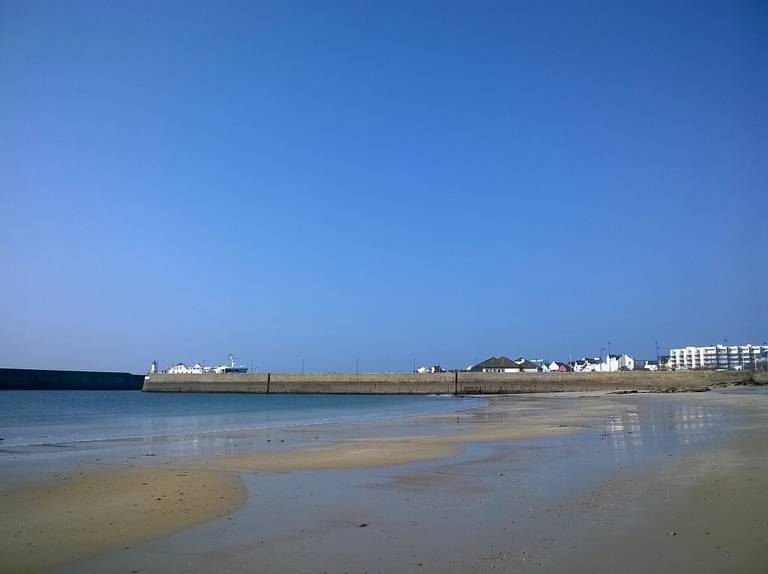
(542,366)
(646,365)
(716,357)
(553,367)
(432,369)
(587,365)
(614,363)
(179,369)
(182,369)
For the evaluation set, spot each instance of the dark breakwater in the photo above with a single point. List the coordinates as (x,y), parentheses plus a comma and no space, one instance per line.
(49,380)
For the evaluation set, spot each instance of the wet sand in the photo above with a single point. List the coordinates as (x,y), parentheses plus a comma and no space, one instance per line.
(705,511)
(580,483)
(434,441)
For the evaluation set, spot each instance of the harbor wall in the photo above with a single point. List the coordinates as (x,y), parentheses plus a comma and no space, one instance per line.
(36,379)
(440,383)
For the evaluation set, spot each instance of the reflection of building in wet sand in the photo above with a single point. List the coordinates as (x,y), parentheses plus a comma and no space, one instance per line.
(653,425)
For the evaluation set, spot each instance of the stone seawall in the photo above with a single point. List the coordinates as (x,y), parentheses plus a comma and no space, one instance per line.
(441,383)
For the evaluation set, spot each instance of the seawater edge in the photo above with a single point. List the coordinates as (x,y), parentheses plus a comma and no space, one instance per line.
(36,419)
(456,383)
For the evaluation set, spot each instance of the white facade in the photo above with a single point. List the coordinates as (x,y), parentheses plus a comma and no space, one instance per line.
(432,369)
(180,369)
(627,363)
(716,357)
(617,363)
(647,365)
(610,365)
(587,365)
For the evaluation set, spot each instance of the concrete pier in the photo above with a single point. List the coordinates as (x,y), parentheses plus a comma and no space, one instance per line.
(443,383)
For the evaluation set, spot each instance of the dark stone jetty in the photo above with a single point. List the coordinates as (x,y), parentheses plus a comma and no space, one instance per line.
(34,379)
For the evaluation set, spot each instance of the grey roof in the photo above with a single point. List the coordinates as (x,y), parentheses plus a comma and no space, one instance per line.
(526,364)
(495,363)
(504,363)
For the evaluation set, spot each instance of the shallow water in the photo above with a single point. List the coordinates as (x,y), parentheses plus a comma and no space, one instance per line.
(29,418)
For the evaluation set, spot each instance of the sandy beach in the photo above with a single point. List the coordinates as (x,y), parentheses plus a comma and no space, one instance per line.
(549,483)
(88,513)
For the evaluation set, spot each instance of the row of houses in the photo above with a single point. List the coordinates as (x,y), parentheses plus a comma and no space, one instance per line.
(611,363)
(734,357)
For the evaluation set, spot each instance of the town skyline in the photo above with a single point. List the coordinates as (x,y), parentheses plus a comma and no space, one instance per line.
(600,360)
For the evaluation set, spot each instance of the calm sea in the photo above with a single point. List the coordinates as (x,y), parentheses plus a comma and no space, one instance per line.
(50,417)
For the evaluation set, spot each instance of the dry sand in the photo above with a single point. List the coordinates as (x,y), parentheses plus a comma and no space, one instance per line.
(83,515)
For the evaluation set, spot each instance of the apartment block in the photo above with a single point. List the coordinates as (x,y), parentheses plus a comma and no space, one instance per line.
(716,357)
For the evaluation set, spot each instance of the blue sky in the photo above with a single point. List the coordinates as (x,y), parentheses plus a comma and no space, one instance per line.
(386,181)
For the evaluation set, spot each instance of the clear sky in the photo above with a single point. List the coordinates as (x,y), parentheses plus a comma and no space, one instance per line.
(386,181)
